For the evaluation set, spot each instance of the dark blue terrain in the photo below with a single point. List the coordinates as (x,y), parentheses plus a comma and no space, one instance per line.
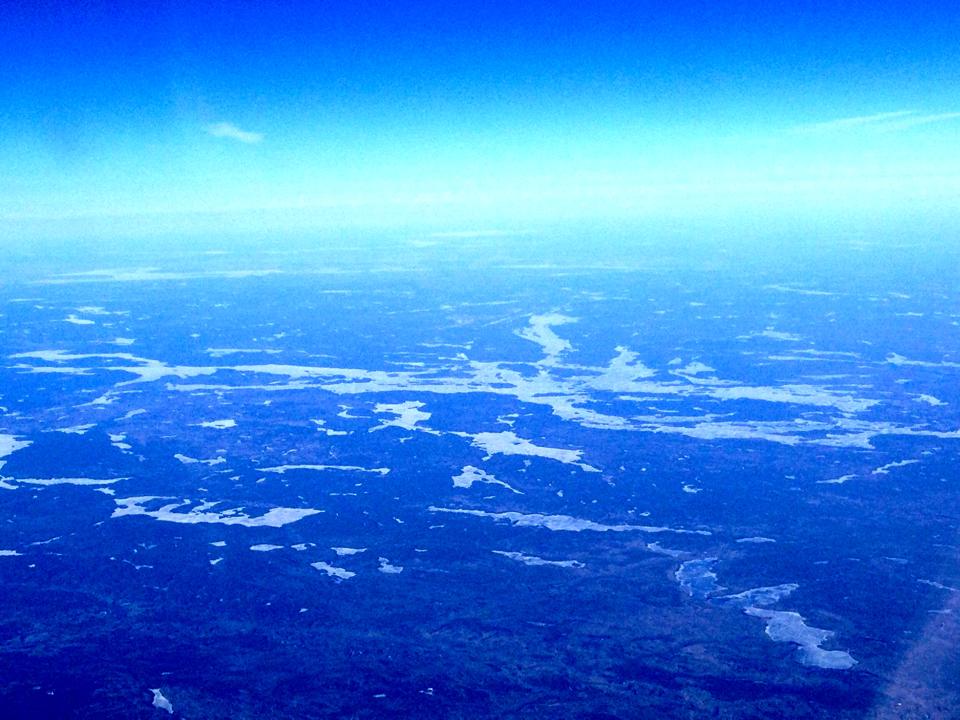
(593,476)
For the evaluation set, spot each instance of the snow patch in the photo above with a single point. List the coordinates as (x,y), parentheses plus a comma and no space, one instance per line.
(344,551)
(386,567)
(217,424)
(533,560)
(186,511)
(508,443)
(540,331)
(76,429)
(885,469)
(836,481)
(561,523)
(408,416)
(334,572)
(470,475)
(786,626)
(281,469)
(160,702)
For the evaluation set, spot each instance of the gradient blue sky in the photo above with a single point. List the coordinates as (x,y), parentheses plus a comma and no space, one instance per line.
(351,111)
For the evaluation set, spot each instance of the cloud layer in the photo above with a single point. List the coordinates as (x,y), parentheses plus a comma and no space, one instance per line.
(231,131)
(885,121)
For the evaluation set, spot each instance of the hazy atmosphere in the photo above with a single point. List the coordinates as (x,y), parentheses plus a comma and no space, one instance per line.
(290,115)
(480,361)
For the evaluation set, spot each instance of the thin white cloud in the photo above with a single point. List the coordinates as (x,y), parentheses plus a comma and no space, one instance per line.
(880,122)
(477,234)
(229,130)
(852,122)
(915,120)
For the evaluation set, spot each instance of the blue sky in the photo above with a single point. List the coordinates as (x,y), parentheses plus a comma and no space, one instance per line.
(500,113)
